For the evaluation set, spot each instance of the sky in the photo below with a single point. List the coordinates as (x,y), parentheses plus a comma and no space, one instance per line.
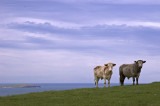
(61,41)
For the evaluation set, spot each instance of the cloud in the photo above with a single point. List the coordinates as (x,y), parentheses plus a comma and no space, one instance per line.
(43,40)
(135,23)
(34,21)
(40,64)
(134,1)
(109,1)
(117,36)
(45,64)
(66,15)
(71,25)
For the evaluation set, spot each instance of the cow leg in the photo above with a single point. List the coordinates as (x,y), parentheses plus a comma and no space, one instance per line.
(96,84)
(136,80)
(96,81)
(104,82)
(122,78)
(108,83)
(133,80)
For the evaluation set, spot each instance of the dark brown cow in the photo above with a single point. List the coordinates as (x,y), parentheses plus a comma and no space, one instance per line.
(130,70)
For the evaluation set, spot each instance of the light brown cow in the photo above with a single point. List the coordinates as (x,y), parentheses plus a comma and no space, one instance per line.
(103,72)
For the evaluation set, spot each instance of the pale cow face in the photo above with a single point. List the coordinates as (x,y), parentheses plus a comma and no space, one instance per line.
(110,66)
(140,63)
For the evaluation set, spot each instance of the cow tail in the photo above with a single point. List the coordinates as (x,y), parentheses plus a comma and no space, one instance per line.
(122,77)
(120,71)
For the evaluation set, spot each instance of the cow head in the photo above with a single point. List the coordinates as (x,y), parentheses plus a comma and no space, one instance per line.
(140,63)
(110,66)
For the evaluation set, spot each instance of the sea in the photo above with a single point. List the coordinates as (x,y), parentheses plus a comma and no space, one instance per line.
(47,87)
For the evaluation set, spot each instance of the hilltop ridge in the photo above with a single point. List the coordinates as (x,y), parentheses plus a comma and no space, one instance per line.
(128,95)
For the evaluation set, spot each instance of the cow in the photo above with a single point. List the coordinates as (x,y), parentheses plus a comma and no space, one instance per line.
(103,72)
(130,70)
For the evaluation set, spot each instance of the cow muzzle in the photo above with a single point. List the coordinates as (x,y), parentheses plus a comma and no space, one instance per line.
(110,70)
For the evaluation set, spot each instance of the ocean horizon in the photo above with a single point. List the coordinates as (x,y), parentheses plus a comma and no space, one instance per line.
(46,87)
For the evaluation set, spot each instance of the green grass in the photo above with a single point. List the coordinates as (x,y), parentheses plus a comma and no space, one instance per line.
(141,95)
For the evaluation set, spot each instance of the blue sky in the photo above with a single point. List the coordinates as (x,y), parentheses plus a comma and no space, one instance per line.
(61,41)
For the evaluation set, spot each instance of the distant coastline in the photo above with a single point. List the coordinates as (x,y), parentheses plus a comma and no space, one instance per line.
(7,89)
(19,86)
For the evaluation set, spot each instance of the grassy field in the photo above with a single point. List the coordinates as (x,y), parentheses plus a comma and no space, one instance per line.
(141,95)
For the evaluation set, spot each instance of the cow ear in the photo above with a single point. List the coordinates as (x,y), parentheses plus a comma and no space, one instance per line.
(106,64)
(144,61)
(135,61)
(114,64)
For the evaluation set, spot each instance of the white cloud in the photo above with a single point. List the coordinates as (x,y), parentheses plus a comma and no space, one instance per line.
(11,34)
(59,66)
(61,63)
(64,66)
(132,23)
(112,1)
(56,23)
(134,1)
(70,25)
